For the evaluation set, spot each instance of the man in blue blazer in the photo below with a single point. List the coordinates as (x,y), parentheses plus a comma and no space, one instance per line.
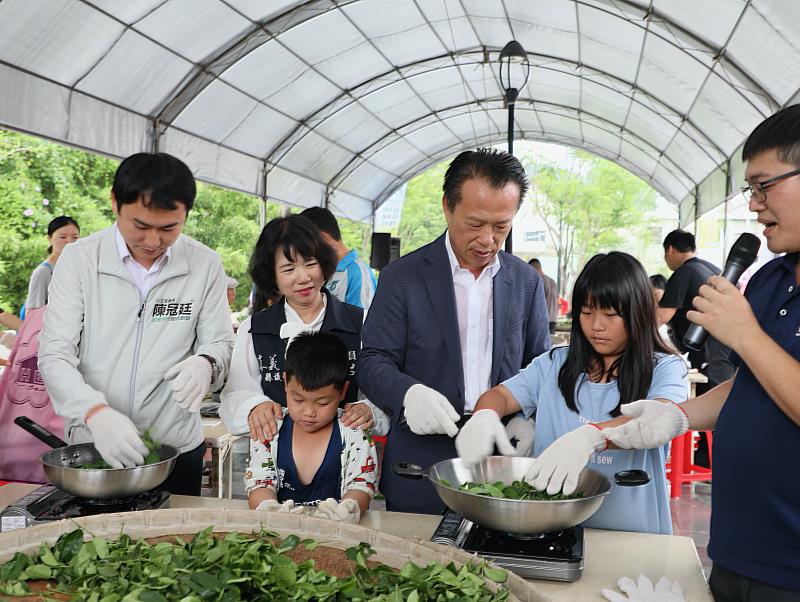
(449,321)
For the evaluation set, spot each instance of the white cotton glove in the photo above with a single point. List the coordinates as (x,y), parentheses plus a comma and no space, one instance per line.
(643,591)
(480,434)
(276,506)
(346,511)
(522,429)
(654,424)
(560,465)
(191,380)
(116,438)
(428,412)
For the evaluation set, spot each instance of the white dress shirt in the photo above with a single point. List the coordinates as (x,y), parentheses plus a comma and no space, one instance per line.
(475,312)
(143,277)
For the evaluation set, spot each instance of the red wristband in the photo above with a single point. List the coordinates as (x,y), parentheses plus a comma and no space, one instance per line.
(608,442)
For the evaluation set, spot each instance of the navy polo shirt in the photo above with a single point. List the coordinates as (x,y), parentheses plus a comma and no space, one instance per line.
(755,520)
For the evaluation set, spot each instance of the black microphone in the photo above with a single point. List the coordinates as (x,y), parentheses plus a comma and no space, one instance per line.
(742,255)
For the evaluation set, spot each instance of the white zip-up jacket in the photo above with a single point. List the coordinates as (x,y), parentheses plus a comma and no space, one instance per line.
(102,343)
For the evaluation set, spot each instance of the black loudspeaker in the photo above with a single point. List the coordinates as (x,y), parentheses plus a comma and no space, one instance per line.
(394,249)
(380,256)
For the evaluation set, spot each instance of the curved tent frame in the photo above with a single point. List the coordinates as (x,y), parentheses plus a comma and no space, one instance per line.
(339,102)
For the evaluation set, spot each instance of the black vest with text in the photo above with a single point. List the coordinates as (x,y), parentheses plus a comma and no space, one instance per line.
(341,319)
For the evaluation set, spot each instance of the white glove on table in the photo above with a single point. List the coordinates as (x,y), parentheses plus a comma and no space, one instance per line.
(643,591)
(522,429)
(654,424)
(191,380)
(346,511)
(116,438)
(428,412)
(480,434)
(276,506)
(560,465)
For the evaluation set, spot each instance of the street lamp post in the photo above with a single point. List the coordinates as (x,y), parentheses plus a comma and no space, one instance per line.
(514,71)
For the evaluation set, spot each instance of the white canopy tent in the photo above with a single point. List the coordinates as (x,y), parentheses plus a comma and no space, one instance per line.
(340,102)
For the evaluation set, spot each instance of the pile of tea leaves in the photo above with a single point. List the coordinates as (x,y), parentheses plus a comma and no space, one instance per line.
(518,490)
(151,458)
(232,568)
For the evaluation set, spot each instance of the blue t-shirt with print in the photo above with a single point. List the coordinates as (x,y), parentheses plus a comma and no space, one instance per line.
(644,508)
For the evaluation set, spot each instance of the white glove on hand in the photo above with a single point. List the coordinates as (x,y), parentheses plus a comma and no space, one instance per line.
(522,429)
(191,380)
(276,506)
(654,424)
(560,465)
(116,438)
(346,511)
(643,591)
(478,436)
(428,412)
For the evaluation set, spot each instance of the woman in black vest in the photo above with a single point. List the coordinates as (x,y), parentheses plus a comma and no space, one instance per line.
(290,263)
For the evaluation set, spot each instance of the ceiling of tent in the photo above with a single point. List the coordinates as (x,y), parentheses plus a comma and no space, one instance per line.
(343,101)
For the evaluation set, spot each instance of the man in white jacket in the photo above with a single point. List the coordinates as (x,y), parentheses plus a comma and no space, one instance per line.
(137,329)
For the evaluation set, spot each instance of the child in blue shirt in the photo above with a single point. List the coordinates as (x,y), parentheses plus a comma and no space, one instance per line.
(615,356)
(315,462)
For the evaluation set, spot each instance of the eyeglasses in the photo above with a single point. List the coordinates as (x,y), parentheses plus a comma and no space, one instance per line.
(758,190)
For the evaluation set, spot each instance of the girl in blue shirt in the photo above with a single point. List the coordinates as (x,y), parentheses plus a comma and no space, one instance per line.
(615,356)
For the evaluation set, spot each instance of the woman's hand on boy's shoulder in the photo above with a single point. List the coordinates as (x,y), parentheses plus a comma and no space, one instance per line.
(358,415)
(263,421)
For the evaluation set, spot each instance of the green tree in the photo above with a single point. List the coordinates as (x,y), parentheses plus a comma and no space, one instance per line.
(589,208)
(422,219)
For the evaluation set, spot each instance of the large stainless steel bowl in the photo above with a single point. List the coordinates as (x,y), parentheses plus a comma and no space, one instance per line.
(103,483)
(515,516)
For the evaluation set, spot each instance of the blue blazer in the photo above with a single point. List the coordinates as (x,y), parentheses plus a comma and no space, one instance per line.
(411,336)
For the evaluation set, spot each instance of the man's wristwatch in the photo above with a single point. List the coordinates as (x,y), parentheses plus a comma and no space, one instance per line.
(214,367)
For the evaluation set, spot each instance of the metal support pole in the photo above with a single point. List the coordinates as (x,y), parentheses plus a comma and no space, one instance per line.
(509,243)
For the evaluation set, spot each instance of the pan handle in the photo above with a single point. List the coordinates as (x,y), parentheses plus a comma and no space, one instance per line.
(631,478)
(38,431)
(411,471)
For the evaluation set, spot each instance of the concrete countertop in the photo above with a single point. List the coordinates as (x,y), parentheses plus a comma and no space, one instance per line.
(608,554)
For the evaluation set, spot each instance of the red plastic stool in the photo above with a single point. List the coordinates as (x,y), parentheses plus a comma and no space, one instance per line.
(680,468)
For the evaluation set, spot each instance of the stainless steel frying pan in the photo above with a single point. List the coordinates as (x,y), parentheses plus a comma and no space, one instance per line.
(60,465)
(516,516)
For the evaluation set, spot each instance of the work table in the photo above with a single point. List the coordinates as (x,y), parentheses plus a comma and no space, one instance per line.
(608,554)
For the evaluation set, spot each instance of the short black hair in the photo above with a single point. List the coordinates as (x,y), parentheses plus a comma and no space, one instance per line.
(325,220)
(317,360)
(780,131)
(534,262)
(680,240)
(293,235)
(658,281)
(496,167)
(160,180)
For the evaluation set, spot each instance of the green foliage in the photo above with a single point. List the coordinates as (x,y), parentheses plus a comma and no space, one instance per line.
(236,567)
(422,219)
(518,490)
(40,180)
(589,208)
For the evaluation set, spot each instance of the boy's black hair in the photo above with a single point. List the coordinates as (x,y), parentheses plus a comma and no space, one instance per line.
(496,167)
(780,131)
(160,180)
(615,281)
(680,240)
(658,281)
(318,360)
(294,235)
(56,224)
(325,220)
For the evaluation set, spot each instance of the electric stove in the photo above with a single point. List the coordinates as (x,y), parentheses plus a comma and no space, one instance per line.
(48,504)
(556,556)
